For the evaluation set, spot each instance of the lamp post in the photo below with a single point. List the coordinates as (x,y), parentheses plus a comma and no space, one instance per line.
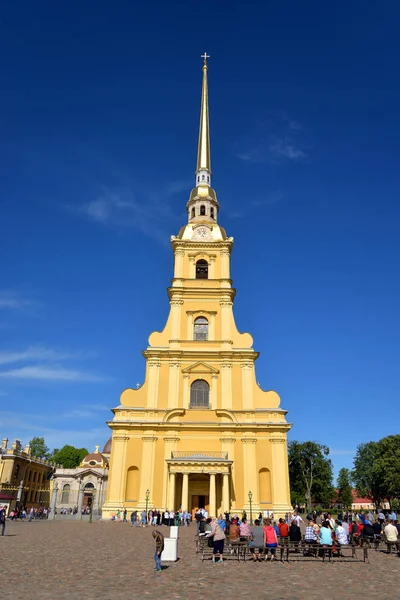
(251,510)
(147,501)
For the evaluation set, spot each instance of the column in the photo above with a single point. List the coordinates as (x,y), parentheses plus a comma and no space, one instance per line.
(185,491)
(247,385)
(154,375)
(226,386)
(189,334)
(186,391)
(213,499)
(225,492)
(226,315)
(54,493)
(117,472)
(211,268)
(280,477)
(170,444)
(213,392)
(80,501)
(211,330)
(176,319)
(147,471)
(192,267)
(173,384)
(179,254)
(250,468)
(171,493)
(225,271)
(99,494)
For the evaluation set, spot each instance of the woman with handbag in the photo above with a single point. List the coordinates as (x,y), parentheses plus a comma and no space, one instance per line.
(218,537)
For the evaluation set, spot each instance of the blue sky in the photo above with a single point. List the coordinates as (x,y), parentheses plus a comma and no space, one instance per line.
(99,114)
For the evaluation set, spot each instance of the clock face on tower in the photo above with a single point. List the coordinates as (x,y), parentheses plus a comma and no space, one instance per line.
(202,233)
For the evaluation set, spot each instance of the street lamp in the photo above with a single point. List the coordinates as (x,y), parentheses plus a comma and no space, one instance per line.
(147,501)
(251,510)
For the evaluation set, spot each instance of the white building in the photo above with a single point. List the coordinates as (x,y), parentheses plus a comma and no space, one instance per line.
(91,477)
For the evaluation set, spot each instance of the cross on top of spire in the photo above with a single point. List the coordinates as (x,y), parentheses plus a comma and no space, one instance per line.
(205,56)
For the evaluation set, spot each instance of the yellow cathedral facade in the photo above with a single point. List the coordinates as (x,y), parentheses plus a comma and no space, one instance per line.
(200,432)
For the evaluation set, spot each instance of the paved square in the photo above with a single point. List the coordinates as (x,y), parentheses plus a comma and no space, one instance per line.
(112,561)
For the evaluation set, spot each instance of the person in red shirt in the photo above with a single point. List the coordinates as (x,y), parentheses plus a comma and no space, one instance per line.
(283,528)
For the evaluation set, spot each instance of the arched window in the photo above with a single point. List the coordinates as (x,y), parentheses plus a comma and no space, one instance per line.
(203,177)
(193,212)
(212,213)
(202,210)
(132,485)
(202,269)
(200,329)
(198,178)
(89,486)
(264,480)
(208,179)
(65,493)
(199,394)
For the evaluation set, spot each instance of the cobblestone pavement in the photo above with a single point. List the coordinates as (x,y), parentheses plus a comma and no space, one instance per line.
(112,561)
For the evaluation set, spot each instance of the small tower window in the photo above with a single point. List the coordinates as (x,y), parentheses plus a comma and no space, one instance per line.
(202,210)
(193,212)
(198,178)
(65,493)
(200,329)
(202,269)
(199,394)
(208,179)
(203,177)
(212,213)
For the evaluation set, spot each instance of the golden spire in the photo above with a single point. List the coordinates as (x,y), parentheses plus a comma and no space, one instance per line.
(203,151)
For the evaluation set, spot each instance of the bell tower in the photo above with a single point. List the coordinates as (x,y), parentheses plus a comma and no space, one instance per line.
(200,432)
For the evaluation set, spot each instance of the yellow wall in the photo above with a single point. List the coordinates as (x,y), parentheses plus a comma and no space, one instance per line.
(242,420)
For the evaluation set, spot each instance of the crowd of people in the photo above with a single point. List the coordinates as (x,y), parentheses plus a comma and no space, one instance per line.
(153,517)
(263,538)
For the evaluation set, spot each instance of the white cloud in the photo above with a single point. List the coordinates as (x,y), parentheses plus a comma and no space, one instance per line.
(35,353)
(50,373)
(25,427)
(98,210)
(277,139)
(12,300)
(146,212)
(287,149)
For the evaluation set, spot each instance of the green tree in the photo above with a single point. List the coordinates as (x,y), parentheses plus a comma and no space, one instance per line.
(69,456)
(38,447)
(366,479)
(310,472)
(344,493)
(386,470)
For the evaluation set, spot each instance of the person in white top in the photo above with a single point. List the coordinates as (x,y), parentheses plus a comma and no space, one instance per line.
(341,534)
(391,532)
(296,518)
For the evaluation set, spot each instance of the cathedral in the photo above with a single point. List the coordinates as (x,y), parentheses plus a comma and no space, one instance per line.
(200,432)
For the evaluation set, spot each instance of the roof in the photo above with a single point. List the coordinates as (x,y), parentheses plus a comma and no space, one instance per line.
(94,457)
(107,447)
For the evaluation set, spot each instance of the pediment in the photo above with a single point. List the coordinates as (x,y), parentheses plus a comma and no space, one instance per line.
(200,367)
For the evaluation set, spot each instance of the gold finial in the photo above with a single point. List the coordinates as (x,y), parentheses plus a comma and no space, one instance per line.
(203,151)
(96,449)
(205,56)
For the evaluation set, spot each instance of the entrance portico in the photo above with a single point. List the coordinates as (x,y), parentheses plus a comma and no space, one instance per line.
(196,478)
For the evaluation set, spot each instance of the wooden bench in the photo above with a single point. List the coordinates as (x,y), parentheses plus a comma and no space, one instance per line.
(303,548)
(235,550)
